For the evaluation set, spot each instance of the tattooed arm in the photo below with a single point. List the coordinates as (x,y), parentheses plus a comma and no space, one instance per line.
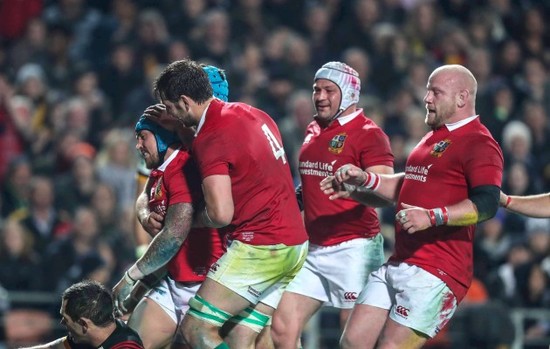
(162,248)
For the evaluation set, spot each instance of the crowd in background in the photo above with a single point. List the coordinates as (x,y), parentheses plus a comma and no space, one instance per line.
(75,75)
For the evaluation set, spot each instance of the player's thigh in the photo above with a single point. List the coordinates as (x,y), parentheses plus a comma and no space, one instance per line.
(396,335)
(293,312)
(154,325)
(363,327)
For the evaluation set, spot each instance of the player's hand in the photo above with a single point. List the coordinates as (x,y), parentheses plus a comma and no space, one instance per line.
(153,223)
(350,174)
(413,218)
(121,291)
(335,190)
(156,112)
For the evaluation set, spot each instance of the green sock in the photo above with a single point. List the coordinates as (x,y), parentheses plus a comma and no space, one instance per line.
(222,345)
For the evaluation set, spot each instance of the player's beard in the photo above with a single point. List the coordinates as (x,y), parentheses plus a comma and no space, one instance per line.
(439,116)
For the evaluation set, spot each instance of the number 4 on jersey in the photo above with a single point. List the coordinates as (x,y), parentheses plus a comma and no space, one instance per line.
(278,150)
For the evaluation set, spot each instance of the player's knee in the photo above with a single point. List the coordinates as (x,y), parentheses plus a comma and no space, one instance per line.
(203,321)
(284,330)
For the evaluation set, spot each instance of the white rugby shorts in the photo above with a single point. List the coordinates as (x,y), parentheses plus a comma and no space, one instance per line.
(335,275)
(415,298)
(173,297)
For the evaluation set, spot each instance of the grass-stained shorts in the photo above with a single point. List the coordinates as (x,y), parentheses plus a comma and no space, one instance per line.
(259,273)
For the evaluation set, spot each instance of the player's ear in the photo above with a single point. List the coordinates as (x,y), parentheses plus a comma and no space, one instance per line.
(85,324)
(462,98)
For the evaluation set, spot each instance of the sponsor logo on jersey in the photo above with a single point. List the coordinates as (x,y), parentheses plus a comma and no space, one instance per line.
(440,147)
(350,296)
(402,311)
(336,144)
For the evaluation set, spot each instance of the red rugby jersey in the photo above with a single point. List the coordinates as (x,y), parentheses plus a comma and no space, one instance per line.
(353,139)
(243,142)
(177,181)
(439,172)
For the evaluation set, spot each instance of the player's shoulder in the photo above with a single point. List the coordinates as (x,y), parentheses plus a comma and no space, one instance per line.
(123,337)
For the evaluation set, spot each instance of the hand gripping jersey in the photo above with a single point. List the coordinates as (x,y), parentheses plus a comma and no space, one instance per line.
(353,139)
(177,181)
(244,143)
(439,172)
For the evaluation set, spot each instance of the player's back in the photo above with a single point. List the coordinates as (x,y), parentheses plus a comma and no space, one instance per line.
(244,143)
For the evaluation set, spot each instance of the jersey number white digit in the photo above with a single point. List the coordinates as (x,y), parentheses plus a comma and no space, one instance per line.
(277,148)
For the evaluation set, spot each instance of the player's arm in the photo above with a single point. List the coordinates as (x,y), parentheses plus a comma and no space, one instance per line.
(369,185)
(481,205)
(366,197)
(219,208)
(166,243)
(141,236)
(537,206)
(151,222)
(60,343)
(163,247)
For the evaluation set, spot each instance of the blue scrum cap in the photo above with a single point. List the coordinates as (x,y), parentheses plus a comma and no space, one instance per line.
(163,137)
(218,81)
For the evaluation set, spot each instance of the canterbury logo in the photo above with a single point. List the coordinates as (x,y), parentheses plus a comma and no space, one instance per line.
(350,296)
(401,310)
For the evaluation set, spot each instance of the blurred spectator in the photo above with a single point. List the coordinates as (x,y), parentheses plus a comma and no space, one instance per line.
(183,17)
(15,15)
(151,48)
(516,146)
(213,41)
(117,26)
(80,255)
(538,237)
(41,218)
(535,39)
(249,73)
(20,265)
(76,187)
(120,78)
(502,282)
(493,241)
(422,27)
(360,60)
(293,126)
(497,108)
(319,30)
(113,224)
(32,47)
(11,141)
(533,83)
(298,62)
(248,16)
(16,186)
(79,18)
(534,292)
(116,166)
(31,105)
(534,115)
(86,88)
(357,30)
(60,64)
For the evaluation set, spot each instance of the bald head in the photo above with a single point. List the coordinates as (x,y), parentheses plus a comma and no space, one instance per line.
(451,95)
(460,76)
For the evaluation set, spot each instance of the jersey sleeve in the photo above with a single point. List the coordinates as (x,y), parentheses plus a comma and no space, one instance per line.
(484,162)
(177,185)
(375,148)
(212,153)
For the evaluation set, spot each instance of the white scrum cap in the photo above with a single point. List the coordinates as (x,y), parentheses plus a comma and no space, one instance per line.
(346,78)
